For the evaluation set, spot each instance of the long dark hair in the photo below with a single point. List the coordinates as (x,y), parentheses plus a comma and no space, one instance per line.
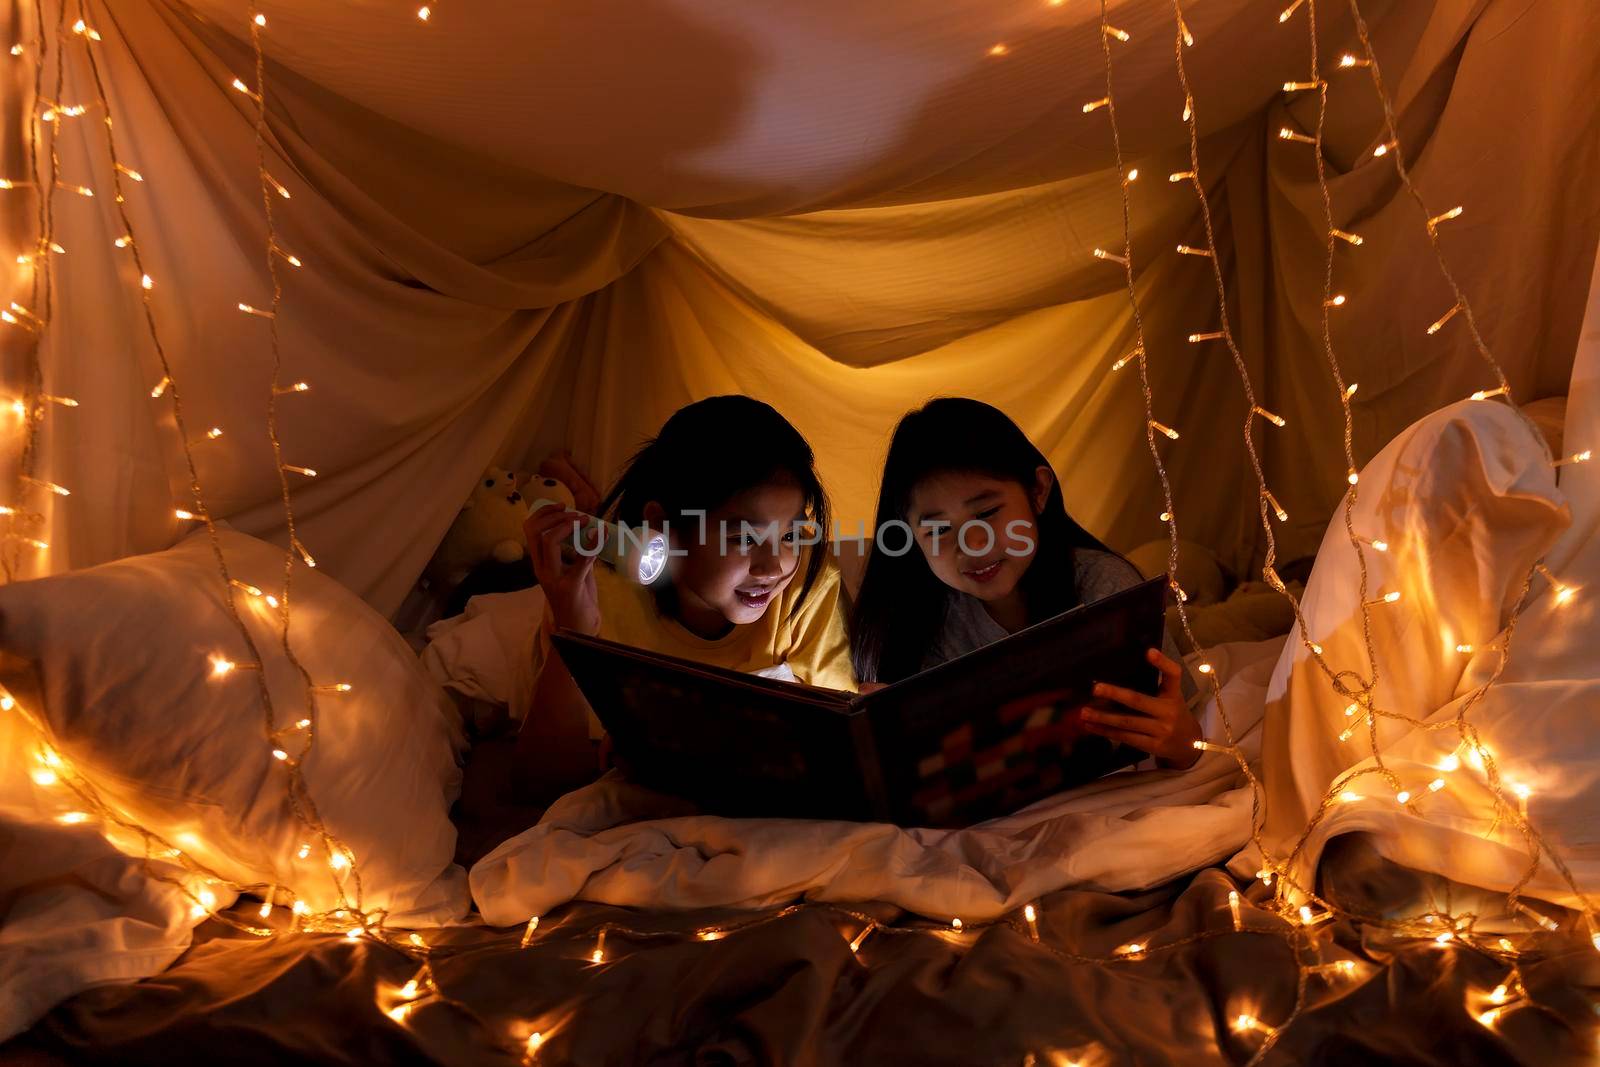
(709,452)
(902,604)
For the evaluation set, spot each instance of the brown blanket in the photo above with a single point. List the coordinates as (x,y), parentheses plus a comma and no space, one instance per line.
(786,988)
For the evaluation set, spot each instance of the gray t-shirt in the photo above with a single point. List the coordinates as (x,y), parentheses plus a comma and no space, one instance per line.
(968,626)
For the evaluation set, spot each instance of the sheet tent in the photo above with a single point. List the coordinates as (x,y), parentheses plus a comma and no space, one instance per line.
(524,228)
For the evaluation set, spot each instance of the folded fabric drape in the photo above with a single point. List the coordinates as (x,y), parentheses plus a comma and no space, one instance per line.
(529,226)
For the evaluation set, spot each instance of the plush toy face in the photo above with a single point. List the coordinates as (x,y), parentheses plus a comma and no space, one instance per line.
(548,489)
(489,527)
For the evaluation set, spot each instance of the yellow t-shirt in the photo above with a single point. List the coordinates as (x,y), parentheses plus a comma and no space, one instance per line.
(813,642)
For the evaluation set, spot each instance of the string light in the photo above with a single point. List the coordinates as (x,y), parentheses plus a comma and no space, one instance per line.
(1576,457)
(1438,324)
(1032,918)
(1101,253)
(599,953)
(1563,593)
(1348,61)
(1334,302)
(251,310)
(1235,910)
(1489,394)
(1289,11)
(1347,237)
(1299,87)
(1276,420)
(859,939)
(1286,134)
(1214,335)
(527,933)
(424,12)
(1161,428)
(1191,251)
(1181,176)
(1096,105)
(1453,213)
(998,50)
(1277,508)
(1125,360)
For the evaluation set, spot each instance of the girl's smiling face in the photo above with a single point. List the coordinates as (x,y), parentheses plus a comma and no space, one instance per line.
(730,577)
(978,532)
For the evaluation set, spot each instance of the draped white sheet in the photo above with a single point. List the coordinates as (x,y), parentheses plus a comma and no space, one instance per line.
(528,226)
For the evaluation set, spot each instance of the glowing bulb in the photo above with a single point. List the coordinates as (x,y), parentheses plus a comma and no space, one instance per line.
(261,20)
(1349,797)
(1489,1017)
(300,907)
(354,933)
(955,924)
(1436,785)
(598,956)
(999,50)
(1162,429)
(307,471)
(535,1039)
(1521,790)
(1133,174)
(1450,763)
(338,861)
(1402,797)
(1029,914)
(1132,948)
(1350,238)
(1234,909)
(424,12)
(1335,302)
(1390,598)
(303,851)
(221,666)
(1096,105)
(44,776)
(147,282)
(1444,938)
(1121,35)
(7,702)
(280,755)
(399,1011)
(72,818)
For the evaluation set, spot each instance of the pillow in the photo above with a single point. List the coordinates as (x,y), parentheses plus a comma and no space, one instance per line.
(1199,572)
(126,687)
(1466,501)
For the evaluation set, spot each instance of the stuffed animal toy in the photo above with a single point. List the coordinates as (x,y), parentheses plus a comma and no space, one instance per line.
(489,527)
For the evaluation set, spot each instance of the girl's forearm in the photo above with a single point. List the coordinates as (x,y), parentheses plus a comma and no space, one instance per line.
(554,753)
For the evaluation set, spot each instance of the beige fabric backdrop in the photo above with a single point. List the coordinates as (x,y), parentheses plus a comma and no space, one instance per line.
(528,226)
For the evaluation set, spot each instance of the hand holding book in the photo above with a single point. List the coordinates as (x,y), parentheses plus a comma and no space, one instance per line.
(1160,725)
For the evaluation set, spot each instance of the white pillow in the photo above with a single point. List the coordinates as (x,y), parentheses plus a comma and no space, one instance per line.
(125,682)
(1466,501)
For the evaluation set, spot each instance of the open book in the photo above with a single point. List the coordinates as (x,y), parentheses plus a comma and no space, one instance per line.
(971,739)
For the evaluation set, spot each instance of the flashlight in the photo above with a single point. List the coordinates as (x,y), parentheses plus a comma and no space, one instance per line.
(640,555)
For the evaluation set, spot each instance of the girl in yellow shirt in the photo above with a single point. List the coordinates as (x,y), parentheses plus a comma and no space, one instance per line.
(735,487)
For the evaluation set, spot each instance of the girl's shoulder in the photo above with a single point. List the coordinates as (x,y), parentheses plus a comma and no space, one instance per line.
(1099,574)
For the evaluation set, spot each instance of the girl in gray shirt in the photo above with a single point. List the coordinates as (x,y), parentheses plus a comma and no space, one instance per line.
(989,549)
